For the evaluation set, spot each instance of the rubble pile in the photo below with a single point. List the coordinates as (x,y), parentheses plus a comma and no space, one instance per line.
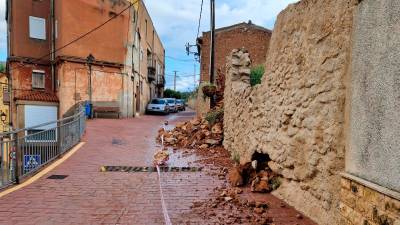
(227,206)
(258,175)
(196,133)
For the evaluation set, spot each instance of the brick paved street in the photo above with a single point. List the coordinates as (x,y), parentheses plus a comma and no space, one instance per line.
(88,196)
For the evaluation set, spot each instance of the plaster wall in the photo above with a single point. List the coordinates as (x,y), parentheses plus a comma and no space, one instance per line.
(108,85)
(374,151)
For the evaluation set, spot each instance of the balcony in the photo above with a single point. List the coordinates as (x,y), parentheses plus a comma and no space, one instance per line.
(151,73)
(161,81)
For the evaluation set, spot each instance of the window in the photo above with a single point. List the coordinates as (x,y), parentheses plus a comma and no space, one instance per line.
(146,28)
(38,79)
(158,101)
(149,58)
(37,28)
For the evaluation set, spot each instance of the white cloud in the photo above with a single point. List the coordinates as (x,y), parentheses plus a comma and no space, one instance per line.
(176,22)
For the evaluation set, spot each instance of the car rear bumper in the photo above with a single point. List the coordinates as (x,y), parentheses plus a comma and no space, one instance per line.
(157,111)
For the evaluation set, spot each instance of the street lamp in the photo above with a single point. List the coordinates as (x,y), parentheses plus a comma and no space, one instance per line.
(3,118)
(90,60)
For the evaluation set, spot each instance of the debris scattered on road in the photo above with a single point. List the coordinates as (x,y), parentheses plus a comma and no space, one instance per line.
(196,133)
(258,175)
(226,206)
(161,157)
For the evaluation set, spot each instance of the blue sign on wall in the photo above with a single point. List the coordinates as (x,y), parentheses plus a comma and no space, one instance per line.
(31,162)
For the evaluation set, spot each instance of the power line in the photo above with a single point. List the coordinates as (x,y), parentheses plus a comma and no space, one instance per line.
(82,36)
(183,75)
(181,60)
(201,12)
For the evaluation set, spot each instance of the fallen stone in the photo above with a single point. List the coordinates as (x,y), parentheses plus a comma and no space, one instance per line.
(259,185)
(212,142)
(203,146)
(235,178)
(217,129)
(259,210)
(227,199)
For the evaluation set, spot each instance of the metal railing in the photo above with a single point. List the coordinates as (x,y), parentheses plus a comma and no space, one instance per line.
(25,151)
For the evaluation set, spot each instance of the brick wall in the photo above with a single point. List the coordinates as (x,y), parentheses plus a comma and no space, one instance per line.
(361,205)
(255,40)
(251,37)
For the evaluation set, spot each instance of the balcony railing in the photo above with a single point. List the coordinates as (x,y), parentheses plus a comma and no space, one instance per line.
(151,73)
(161,81)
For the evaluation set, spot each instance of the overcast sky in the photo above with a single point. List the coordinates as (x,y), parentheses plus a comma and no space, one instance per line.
(176,22)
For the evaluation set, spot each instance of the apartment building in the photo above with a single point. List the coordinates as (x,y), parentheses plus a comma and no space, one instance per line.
(63,53)
(151,55)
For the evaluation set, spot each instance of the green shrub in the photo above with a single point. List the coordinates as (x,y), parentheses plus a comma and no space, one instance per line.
(256,75)
(168,93)
(275,183)
(215,116)
(236,158)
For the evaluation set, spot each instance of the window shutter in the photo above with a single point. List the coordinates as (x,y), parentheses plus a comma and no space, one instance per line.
(37,28)
(38,79)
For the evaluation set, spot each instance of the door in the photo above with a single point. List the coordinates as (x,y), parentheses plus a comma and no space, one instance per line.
(137,99)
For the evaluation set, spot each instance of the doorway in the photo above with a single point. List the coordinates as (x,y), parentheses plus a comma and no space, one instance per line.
(138,99)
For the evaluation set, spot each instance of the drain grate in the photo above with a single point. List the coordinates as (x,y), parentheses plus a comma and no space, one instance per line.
(57,177)
(116,141)
(129,169)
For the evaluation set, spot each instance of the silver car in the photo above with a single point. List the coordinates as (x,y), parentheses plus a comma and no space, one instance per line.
(158,105)
(172,104)
(180,105)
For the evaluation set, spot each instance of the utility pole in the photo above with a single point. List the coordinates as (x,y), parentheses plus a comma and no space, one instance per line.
(194,77)
(212,38)
(175,80)
(212,51)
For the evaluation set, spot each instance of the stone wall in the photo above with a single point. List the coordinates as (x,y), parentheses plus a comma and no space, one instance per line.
(250,36)
(362,205)
(297,115)
(202,103)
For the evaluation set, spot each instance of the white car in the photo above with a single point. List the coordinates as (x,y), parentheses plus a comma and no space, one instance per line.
(172,104)
(158,105)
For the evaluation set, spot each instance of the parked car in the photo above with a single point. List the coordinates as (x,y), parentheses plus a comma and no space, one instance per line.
(180,105)
(172,105)
(158,105)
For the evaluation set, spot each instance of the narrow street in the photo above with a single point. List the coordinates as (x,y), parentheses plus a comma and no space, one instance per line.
(89,196)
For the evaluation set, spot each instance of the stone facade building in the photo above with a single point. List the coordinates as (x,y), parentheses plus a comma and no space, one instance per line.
(248,35)
(127,67)
(327,111)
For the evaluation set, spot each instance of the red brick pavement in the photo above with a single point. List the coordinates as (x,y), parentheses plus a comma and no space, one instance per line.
(88,196)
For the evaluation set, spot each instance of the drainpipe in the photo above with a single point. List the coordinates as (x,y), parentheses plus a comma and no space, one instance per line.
(90,60)
(53,44)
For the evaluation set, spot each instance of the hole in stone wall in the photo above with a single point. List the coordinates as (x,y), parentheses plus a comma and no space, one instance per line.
(261,160)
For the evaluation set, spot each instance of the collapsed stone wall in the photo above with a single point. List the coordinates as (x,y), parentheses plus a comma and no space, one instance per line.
(297,114)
